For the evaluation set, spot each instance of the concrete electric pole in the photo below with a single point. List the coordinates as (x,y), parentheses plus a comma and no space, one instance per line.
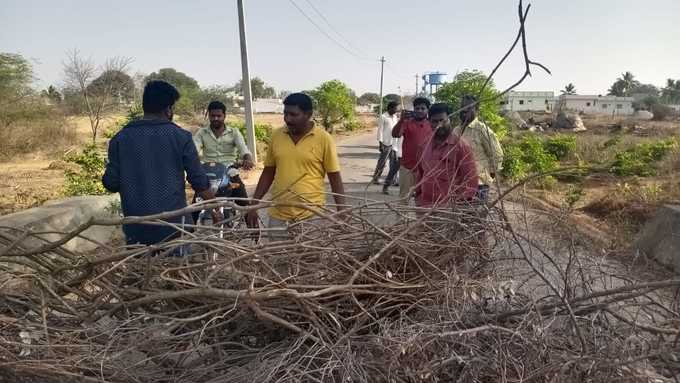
(245,83)
(382,67)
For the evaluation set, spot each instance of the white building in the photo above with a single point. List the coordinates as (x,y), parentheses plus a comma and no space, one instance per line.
(268,105)
(610,105)
(529,101)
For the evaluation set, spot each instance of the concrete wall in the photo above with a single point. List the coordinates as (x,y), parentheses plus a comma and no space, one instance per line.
(65,215)
(268,105)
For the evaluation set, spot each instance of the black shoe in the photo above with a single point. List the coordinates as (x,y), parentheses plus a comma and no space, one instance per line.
(385,191)
(375,181)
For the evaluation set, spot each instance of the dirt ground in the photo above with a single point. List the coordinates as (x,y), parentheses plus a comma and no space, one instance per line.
(31,180)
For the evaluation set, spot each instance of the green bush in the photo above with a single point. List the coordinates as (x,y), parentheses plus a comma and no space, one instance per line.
(87,180)
(134,113)
(262,131)
(639,160)
(560,145)
(353,125)
(527,156)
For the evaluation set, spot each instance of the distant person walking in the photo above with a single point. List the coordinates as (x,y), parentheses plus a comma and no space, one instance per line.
(300,155)
(385,142)
(414,129)
(484,143)
(147,162)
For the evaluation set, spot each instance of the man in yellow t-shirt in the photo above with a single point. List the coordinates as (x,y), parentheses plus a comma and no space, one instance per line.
(300,155)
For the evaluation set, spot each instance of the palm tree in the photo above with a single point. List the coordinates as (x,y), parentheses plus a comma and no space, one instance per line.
(671,92)
(628,83)
(569,89)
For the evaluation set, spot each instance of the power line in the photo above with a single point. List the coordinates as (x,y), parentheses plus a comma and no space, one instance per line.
(318,27)
(345,39)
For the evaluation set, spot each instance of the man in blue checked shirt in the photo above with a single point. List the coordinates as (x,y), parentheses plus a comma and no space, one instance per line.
(147,163)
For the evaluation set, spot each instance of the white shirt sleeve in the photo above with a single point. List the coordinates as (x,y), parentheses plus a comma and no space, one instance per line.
(381,122)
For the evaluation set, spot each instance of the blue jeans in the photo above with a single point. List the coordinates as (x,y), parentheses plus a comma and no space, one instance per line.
(483,193)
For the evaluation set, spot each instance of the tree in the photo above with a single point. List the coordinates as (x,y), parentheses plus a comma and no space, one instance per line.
(368,98)
(120,84)
(624,85)
(16,74)
(258,89)
(174,77)
(99,99)
(471,82)
(671,92)
(569,89)
(187,86)
(216,93)
(334,103)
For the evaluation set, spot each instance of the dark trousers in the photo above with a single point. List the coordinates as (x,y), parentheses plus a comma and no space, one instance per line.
(386,153)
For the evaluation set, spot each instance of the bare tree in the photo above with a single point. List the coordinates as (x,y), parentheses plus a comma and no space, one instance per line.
(80,73)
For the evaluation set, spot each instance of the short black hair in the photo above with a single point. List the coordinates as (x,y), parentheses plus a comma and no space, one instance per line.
(469,99)
(301,100)
(440,108)
(421,101)
(392,104)
(214,105)
(158,95)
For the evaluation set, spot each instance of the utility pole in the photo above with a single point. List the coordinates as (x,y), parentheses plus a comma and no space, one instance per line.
(382,67)
(245,83)
(416,93)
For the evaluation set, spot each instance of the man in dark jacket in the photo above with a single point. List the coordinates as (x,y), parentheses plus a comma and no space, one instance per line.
(147,162)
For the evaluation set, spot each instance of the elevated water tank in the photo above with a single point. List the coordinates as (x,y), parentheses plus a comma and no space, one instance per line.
(436,78)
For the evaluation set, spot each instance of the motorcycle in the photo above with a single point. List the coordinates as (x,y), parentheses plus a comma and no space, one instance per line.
(226,183)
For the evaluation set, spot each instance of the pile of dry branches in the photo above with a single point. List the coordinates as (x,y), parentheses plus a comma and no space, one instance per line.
(425,296)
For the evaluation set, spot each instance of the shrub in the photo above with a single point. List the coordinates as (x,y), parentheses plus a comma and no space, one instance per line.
(134,113)
(527,156)
(661,112)
(353,125)
(87,180)
(639,159)
(560,145)
(262,131)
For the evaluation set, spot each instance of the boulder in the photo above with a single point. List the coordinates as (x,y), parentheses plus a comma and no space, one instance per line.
(515,120)
(660,239)
(643,115)
(569,121)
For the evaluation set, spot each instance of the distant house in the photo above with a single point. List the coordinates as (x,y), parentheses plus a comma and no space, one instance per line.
(268,105)
(610,105)
(528,101)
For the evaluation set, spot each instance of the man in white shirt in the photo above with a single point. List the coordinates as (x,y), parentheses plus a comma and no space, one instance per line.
(385,141)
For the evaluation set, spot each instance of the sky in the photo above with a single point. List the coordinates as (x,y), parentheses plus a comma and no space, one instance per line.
(585,42)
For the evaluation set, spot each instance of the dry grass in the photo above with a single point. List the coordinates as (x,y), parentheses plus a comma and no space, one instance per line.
(43,130)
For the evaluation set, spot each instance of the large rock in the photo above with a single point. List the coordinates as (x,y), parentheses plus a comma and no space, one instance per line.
(516,120)
(65,215)
(643,115)
(570,121)
(660,239)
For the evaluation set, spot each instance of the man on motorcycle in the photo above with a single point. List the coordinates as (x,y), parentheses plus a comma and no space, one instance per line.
(225,145)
